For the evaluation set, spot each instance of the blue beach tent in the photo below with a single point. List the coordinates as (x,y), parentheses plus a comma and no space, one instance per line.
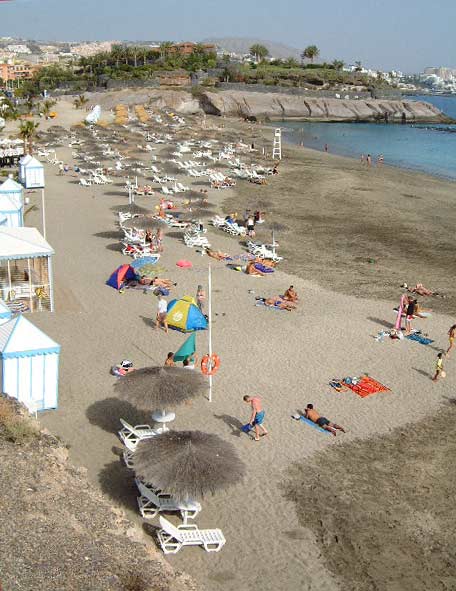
(29,364)
(184,315)
(120,276)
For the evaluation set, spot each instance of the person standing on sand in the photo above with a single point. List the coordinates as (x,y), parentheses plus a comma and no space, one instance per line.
(257,416)
(439,368)
(200,298)
(411,309)
(362,159)
(162,310)
(451,337)
(326,148)
(311,414)
(369,160)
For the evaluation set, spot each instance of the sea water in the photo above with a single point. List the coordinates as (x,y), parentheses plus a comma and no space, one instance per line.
(429,148)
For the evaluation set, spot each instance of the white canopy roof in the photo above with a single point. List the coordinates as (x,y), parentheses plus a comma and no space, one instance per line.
(10,186)
(20,338)
(9,204)
(23,243)
(32,163)
(25,159)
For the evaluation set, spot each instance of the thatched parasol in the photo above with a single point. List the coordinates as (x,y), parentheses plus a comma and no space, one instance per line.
(141,223)
(150,388)
(188,464)
(130,208)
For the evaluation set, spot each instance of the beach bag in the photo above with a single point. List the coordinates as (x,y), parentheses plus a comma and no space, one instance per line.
(246,428)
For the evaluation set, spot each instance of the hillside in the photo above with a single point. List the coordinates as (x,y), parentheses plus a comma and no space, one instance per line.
(243,44)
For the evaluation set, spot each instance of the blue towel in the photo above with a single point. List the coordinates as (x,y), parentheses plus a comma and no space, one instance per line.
(312,424)
(262,304)
(419,339)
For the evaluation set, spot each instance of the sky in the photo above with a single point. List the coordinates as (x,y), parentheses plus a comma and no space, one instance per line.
(406,35)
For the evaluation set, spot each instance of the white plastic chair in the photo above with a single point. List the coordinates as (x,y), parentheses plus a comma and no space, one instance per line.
(173,538)
(131,436)
(151,502)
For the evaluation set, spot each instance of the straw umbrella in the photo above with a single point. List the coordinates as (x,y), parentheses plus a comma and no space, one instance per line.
(131,208)
(188,464)
(140,223)
(157,387)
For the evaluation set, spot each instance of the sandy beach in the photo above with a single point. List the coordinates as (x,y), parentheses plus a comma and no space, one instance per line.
(292,523)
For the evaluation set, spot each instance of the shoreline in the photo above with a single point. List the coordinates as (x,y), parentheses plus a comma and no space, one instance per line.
(351,156)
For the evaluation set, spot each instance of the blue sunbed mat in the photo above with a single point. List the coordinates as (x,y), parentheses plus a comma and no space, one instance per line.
(419,339)
(312,424)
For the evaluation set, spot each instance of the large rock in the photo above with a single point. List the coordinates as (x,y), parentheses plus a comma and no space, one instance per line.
(283,106)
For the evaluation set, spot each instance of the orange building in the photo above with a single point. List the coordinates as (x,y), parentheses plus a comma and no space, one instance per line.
(17,71)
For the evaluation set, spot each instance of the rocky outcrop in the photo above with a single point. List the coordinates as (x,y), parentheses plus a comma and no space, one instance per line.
(255,105)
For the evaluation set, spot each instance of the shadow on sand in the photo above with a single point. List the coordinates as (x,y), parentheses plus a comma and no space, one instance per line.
(381,322)
(118,483)
(110,234)
(232,422)
(107,413)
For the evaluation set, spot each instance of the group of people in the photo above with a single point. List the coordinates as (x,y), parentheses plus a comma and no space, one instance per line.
(189,362)
(368,160)
(439,369)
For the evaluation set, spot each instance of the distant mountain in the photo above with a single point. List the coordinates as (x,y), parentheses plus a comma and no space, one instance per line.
(242,45)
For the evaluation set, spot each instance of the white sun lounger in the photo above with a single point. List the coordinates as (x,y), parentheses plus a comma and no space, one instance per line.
(152,502)
(172,538)
(131,436)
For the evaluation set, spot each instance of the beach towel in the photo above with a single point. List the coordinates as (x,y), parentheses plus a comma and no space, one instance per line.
(313,425)
(263,268)
(415,336)
(367,386)
(184,264)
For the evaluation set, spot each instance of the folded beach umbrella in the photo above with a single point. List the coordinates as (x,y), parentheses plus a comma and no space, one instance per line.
(187,349)
(188,464)
(184,315)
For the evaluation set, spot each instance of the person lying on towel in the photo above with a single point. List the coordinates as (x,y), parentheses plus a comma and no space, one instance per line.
(122,368)
(277,302)
(156,282)
(311,414)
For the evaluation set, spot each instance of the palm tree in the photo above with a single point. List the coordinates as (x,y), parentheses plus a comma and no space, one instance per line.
(46,107)
(310,53)
(338,64)
(27,132)
(165,46)
(291,62)
(259,52)
(358,66)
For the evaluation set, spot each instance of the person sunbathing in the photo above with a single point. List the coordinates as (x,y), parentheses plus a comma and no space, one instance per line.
(250,269)
(217,254)
(311,414)
(156,282)
(421,290)
(279,302)
(290,294)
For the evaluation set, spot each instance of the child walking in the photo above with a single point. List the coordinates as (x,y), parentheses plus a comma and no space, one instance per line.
(439,368)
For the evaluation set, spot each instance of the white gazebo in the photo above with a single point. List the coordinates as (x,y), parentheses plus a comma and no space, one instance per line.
(11,204)
(29,364)
(26,269)
(33,174)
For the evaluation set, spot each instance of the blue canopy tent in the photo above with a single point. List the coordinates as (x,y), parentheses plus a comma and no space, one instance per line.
(29,364)
(184,315)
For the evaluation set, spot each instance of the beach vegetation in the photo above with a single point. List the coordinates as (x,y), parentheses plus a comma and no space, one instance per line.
(27,132)
(310,53)
(15,427)
(259,52)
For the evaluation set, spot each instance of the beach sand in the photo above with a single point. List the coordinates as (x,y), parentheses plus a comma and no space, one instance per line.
(286,358)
